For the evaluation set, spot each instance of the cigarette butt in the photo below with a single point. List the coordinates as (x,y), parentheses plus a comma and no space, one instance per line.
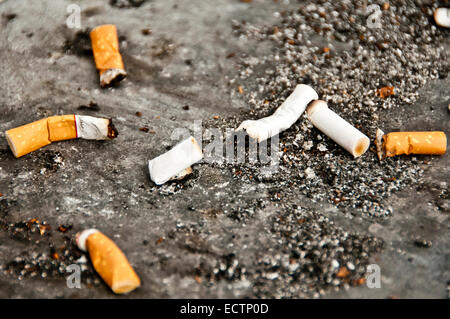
(109,261)
(30,137)
(283,118)
(442,17)
(425,143)
(105,45)
(338,129)
(175,164)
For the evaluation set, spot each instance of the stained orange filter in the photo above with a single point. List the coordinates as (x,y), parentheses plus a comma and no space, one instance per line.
(398,143)
(111,264)
(62,127)
(30,137)
(105,46)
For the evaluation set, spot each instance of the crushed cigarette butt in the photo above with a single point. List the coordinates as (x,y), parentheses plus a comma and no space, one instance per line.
(175,164)
(30,137)
(442,17)
(399,143)
(109,261)
(105,46)
(338,129)
(283,118)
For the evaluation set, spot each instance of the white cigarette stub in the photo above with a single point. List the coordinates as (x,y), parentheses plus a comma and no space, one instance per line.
(176,162)
(283,118)
(338,129)
(442,17)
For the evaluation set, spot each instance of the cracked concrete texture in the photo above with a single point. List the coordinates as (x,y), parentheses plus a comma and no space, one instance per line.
(106,185)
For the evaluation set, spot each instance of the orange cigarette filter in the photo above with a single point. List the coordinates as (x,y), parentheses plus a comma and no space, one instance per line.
(399,143)
(105,46)
(30,137)
(109,261)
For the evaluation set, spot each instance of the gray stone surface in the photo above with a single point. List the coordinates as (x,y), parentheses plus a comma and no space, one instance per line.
(187,239)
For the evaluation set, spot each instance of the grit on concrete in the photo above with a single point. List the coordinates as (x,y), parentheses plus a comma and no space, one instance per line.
(222,232)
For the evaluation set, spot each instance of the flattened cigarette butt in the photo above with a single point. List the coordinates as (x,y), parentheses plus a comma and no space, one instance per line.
(442,17)
(399,143)
(105,46)
(30,137)
(176,163)
(109,261)
(283,118)
(338,129)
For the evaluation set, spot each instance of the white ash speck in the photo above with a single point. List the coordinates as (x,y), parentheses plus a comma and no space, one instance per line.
(322,147)
(310,173)
(307,145)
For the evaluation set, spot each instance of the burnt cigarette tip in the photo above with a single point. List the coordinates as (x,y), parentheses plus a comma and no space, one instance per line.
(197,146)
(361,147)
(112,131)
(112,77)
(312,107)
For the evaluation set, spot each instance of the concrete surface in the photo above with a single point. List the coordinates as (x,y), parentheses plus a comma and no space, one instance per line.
(208,236)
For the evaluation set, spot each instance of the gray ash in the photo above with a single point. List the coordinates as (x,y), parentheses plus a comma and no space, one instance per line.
(312,256)
(308,256)
(50,255)
(79,44)
(47,161)
(357,61)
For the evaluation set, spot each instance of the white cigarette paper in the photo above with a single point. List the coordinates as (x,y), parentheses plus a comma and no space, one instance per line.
(82,237)
(338,129)
(283,118)
(379,144)
(176,162)
(442,17)
(92,128)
